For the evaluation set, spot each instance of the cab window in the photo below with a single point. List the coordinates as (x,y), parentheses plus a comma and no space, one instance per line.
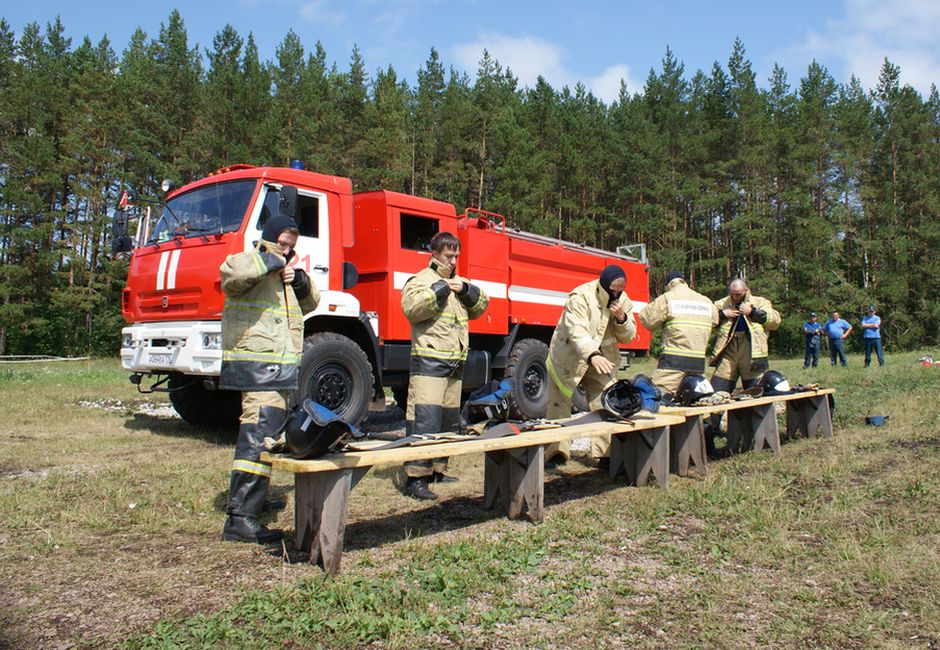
(416,232)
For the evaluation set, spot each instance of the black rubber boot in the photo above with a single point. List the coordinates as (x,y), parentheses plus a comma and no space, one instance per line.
(249,530)
(417,488)
(246,503)
(439,477)
(274,504)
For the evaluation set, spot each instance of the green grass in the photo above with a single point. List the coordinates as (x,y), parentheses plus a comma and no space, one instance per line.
(831,543)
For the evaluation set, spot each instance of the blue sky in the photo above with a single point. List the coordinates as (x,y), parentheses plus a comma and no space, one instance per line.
(596,43)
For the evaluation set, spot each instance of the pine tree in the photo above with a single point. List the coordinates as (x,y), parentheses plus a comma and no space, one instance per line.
(426,124)
(384,153)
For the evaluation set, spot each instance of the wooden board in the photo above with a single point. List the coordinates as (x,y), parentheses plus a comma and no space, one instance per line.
(639,422)
(743,404)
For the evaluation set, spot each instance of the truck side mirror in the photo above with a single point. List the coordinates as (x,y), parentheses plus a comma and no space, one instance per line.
(287,204)
(120,239)
(350,275)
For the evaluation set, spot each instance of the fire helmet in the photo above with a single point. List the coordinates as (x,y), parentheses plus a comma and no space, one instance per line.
(774,383)
(314,430)
(692,388)
(649,394)
(622,399)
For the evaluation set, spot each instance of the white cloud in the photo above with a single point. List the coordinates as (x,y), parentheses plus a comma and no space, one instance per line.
(320,13)
(528,57)
(607,84)
(907,32)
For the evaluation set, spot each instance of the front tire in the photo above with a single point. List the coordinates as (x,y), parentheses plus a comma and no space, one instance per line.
(200,406)
(335,372)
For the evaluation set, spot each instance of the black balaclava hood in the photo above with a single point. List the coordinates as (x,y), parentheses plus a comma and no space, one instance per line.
(608,275)
(674,275)
(274,226)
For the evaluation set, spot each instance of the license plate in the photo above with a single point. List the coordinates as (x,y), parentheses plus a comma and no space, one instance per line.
(160,358)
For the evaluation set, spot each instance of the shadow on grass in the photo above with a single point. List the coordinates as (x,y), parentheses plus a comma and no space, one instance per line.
(173,428)
(220,502)
(460,512)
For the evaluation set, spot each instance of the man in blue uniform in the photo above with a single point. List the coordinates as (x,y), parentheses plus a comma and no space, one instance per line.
(811,330)
(837,330)
(871,336)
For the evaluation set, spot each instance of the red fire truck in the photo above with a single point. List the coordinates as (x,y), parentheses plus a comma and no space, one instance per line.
(360,249)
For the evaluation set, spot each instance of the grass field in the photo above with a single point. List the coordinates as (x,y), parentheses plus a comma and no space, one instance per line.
(111,513)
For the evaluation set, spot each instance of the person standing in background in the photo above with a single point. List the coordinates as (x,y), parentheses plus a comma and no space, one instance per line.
(871,336)
(836,331)
(812,330)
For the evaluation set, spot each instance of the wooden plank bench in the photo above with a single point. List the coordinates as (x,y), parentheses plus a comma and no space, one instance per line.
(513,472)
(752,424)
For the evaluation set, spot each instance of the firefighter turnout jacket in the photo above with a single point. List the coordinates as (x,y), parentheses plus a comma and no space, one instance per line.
(262,322)
(763,319)
(686,318)
(586,327)
(439,318)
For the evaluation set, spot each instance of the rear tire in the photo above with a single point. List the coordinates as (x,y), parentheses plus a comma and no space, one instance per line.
(335,372)
(529,374)
(200,406)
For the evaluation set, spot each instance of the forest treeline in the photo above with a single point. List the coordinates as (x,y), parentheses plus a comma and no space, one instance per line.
(823,195)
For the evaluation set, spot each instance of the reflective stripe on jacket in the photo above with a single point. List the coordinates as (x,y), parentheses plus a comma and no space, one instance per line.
(757,332)
(585,327)
(686,318)
(262,321)
(439,319)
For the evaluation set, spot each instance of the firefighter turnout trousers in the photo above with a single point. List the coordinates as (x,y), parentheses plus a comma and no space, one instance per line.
(668,380)
(433,407)
(264,414)
(736,362)
(559,407)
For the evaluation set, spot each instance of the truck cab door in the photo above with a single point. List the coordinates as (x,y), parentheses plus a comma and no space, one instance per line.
(312,253)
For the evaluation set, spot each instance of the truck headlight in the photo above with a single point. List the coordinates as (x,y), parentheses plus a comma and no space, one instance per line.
(212,341)
(127,341)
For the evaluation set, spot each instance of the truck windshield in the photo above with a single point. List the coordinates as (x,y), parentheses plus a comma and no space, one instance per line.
(207,210)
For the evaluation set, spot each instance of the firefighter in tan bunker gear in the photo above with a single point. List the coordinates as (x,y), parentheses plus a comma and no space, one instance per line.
(439,305)
(741,347)
(262,340)
(584,350)
(686,318)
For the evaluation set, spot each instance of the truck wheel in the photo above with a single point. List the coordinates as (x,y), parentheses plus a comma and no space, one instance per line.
(336,373)
(200,406)
(529,375)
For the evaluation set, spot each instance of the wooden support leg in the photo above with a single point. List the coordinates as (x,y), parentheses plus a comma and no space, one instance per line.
(753,429)
(809,416)
(321,501)
(495,478)
(641,454)
(517,476)
(687,446)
